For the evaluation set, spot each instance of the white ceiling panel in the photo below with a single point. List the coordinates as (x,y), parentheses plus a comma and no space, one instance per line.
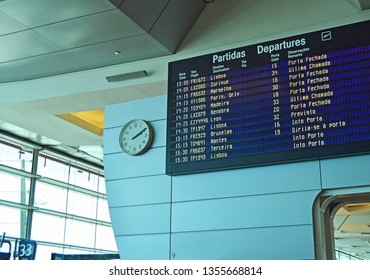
(24,44)
(7,75)
(91,29)
(33,13)
(36,30)
(45,65)
(9,25)
(131,48)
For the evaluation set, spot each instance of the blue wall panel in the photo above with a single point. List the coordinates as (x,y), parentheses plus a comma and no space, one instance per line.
(147,219)
(276,243)
(117,115)
(250,181)
(144,247)
(139,191)
(346,172)
(283,209)
(120,165)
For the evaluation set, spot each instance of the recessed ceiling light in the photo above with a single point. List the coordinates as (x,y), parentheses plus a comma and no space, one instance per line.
(117,52)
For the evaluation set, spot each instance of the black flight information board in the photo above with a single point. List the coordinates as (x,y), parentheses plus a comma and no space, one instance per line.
(297,98)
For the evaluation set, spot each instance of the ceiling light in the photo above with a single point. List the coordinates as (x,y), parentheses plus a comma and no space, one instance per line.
(117,53)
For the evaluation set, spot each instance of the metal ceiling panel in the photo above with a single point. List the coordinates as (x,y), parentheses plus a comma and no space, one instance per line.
(175,22)
(33,13)
(131,48)
(44,66)
(144,12)
(91,29)
(6,75)
(9,25)
(24,44)
(37,30)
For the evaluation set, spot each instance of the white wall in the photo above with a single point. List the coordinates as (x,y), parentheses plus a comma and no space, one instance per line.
(252,213)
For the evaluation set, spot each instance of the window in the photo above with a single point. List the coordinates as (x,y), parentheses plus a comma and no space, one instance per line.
(351,228)
(14,188)
(13,221)
(52,168)
(14,156)
(61,204)
(50,197)
(341,218)
(48,228)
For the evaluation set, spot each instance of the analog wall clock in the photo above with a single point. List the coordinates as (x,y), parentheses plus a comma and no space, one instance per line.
(136,137)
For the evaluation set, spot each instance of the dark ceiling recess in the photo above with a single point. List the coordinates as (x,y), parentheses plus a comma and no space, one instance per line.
(117,3)
(364,4)
(168,21)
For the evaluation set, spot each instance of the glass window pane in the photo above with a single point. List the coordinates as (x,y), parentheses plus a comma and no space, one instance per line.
(48,228)
(81,205)
(71,251)
(15,157)
(80,233)
(105,238)
(44,252)
(54,169)
(102,188)
(84,179)
(103,210)
(14,189)
(13,221)
(50,197)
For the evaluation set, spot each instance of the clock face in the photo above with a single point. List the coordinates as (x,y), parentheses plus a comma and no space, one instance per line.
(136,137)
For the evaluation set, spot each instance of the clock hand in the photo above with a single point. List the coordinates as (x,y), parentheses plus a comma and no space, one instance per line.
(137,135)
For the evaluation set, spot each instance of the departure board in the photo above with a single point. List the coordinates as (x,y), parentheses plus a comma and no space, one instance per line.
(298,98)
